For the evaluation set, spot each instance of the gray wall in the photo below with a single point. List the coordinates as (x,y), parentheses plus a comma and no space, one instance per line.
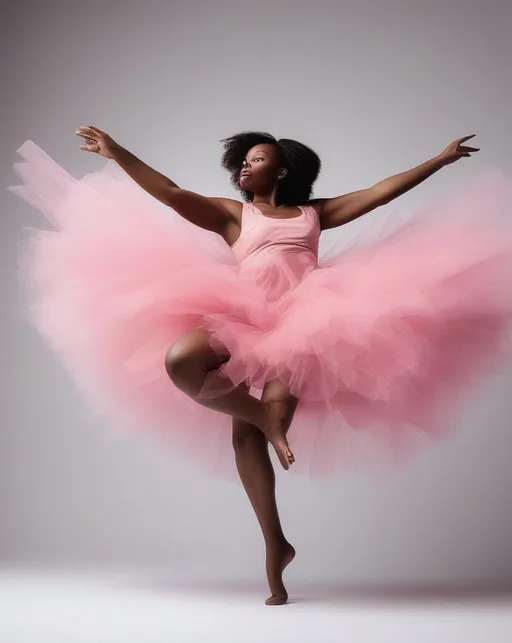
(376,88)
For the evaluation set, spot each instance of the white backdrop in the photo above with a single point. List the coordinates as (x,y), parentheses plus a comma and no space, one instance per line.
(375,88)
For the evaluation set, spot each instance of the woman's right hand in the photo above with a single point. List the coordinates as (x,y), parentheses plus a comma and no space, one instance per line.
(97,141)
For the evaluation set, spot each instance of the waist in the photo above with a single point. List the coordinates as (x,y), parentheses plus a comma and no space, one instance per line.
(278,272)
(291,253)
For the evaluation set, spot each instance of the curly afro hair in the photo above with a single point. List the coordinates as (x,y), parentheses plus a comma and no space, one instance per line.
(302,163)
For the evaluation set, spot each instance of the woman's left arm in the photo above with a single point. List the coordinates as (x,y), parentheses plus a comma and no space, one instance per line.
(342,209)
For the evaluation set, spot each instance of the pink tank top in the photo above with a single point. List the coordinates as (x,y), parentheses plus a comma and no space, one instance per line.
(277,253)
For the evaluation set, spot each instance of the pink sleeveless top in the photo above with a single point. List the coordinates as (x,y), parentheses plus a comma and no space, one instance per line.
(277,253)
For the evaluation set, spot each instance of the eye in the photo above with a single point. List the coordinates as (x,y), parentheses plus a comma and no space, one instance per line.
(257,158)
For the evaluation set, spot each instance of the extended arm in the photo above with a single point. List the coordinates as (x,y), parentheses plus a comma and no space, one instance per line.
(340,210)
(209,213)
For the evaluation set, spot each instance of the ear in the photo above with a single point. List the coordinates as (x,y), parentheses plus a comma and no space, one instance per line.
(282,174)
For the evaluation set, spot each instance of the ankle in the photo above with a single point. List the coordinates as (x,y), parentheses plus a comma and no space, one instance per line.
(276,541)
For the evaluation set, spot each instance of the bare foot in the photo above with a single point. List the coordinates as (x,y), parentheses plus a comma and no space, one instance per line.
(275,424)
(278,558)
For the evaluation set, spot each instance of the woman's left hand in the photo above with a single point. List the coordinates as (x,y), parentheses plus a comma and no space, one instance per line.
(456,150)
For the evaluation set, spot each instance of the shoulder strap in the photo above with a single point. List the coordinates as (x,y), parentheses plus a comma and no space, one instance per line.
(313,211)
(248,210)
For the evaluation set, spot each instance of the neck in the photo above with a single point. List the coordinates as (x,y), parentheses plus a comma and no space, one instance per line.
(266,198)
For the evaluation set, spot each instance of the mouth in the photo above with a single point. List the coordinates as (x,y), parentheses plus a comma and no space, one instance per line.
(244,173)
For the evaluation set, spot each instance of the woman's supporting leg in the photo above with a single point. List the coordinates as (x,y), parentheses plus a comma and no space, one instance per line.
(190,360)
(258,478)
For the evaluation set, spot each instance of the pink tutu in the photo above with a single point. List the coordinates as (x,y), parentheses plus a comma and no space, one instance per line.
(382,342)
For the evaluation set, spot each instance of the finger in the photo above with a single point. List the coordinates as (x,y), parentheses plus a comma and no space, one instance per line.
(89,141)
(86,133)
(87,137)
(95,129)
(89,148)
(89,131)
(466,138)
(465,148)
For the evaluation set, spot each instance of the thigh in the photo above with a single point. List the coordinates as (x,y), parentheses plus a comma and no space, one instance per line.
(194,347)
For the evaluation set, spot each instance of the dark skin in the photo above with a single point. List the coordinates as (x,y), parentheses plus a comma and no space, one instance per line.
(256,423)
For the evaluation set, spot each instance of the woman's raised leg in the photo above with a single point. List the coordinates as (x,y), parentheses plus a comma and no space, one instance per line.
(188,363)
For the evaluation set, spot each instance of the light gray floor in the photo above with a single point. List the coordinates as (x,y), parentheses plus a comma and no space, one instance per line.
(144,607)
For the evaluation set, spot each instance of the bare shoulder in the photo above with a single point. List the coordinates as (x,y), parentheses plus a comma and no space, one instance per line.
(231,206)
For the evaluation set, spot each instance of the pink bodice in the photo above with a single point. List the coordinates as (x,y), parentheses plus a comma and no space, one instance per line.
(277,253)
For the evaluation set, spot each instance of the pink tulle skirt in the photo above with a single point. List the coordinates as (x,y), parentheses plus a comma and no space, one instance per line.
(383,343)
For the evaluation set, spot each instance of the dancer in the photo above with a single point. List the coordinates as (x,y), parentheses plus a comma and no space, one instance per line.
(375,344)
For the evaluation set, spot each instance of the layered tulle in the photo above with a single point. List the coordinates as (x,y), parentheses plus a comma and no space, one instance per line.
(383,342)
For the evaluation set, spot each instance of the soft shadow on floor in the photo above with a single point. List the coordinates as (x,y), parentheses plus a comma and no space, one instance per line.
(332,593)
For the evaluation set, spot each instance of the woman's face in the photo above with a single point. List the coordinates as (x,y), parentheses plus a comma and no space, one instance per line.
(260,168)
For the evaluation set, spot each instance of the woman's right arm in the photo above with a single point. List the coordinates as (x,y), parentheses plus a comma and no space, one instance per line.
(216,214)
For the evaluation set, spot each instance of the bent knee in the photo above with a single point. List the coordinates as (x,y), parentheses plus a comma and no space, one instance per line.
(176,362)
(191,352)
